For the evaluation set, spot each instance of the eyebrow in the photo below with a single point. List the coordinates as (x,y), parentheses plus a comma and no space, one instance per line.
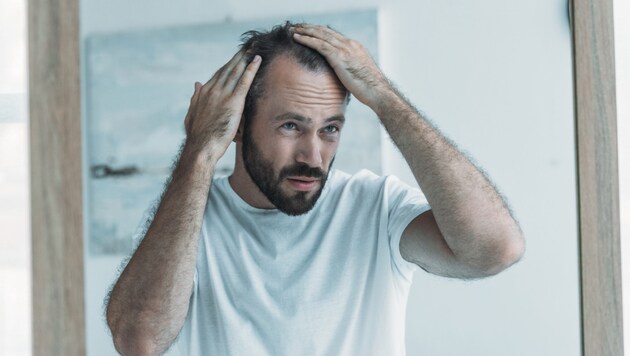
(297,117)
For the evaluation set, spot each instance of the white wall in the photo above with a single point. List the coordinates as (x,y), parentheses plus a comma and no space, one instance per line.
(15,246)
(495,76)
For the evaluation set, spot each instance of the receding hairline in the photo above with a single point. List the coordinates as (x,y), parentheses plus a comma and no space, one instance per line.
(274,44)
(319,70)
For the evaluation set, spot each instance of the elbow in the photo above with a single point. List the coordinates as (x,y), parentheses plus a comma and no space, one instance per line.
(515,250)
(129,342)
(494,256)
(129,339)
(509,253)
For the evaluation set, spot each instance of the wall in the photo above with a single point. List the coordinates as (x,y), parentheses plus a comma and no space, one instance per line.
(15,261)
(496,77)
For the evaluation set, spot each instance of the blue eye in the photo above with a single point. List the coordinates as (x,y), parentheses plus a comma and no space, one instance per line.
(331,129)
(289,126)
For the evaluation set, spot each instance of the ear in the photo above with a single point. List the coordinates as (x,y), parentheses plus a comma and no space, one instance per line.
(238,138)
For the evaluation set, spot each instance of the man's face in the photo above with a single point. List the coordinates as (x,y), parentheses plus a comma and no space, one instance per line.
(290,143)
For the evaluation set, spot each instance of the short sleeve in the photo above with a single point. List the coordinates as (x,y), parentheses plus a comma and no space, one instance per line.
(405,203)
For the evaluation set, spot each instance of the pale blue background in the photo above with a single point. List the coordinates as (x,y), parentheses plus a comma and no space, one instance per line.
(138,88)
(496,77)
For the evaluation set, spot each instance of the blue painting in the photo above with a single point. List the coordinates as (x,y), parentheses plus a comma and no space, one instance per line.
(138,87)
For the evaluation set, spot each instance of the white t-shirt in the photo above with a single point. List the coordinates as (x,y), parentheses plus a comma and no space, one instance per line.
(329,282)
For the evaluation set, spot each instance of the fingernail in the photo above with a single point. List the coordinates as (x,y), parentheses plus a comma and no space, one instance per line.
(256,58)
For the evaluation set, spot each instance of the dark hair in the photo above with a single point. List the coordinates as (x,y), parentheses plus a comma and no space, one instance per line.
(269,45)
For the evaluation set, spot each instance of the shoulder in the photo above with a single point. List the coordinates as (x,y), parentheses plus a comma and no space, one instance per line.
(220,192)
(359,189)
(366,181)
(219,182)
(361,179)
(366,187)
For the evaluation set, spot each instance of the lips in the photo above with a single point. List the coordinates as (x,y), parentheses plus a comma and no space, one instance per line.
(303,183)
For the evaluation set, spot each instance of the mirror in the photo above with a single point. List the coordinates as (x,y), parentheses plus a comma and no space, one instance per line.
(501,93)
(501,88)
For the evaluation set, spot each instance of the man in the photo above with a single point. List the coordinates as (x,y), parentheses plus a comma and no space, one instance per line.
(286,256)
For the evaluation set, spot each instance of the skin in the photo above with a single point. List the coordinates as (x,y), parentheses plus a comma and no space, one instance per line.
(300,123)
(469,233)
(149,302)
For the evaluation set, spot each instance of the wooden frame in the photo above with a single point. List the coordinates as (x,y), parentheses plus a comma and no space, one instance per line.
(598,187)
(56,193)
(56,187)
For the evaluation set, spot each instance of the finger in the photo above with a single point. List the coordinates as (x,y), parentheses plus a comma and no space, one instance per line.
(231,67)
(231,80)
(219,75)
(321,46)
(247,78)
(323,33)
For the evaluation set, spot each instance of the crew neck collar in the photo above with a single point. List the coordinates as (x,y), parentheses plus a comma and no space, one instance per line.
(224,181)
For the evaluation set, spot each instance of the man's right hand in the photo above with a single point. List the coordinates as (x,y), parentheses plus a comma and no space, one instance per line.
(149,302)
(216,107)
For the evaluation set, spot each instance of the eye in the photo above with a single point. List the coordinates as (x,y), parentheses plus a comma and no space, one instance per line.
(289,126)
(331,129)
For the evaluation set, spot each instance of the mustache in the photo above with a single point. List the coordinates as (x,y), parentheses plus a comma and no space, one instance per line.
(303,170)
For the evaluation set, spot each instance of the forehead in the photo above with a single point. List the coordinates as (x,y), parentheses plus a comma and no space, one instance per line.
(290,86)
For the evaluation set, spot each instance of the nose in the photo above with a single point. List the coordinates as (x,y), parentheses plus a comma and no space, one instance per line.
(309,151)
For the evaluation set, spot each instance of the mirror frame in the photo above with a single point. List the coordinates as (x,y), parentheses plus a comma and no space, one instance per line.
(57,197)
(597,176)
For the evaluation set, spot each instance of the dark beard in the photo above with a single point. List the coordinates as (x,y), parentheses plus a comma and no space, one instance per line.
(261,172)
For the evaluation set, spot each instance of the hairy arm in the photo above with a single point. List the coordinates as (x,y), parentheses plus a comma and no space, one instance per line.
(470,231)
(467,211)
(149,302)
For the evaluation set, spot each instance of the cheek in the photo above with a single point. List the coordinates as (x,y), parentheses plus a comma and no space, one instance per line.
(329,149)
(281,152)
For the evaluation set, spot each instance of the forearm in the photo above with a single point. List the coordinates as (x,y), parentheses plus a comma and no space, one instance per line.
(150,300)
(470,213)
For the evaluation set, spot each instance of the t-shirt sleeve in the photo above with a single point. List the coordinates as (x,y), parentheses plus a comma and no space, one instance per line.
(404,203)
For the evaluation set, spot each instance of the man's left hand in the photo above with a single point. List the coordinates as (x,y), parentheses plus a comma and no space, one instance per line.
(351,62)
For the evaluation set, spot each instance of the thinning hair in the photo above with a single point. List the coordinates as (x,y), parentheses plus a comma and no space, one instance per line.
(269,45)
